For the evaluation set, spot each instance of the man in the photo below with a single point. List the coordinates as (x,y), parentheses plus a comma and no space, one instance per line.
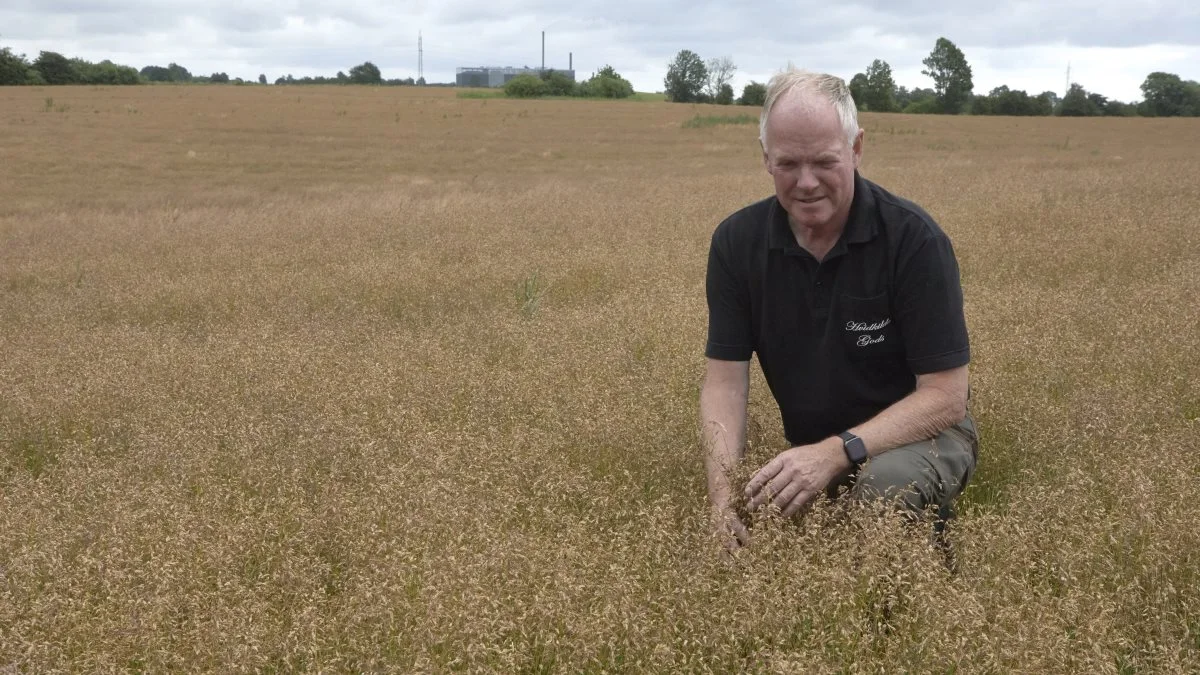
(851,298)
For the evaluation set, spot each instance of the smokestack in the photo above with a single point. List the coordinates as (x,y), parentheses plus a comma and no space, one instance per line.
(543,50)
(570,60)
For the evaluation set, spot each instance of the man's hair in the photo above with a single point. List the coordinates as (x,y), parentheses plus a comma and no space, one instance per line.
(808,83)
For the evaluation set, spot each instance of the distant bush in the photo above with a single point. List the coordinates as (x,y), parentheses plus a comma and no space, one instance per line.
(606,87)
(480,93)
(558,84)
(606,83)
(105,72)
(526,86)
(754,94)
(925,106)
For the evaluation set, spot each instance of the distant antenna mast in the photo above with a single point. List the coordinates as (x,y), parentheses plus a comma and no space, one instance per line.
(1068,87)
(420,58)
(543,50)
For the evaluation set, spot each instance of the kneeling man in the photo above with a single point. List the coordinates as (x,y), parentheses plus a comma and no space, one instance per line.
(851,298)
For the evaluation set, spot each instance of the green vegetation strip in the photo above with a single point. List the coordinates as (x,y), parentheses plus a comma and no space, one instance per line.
(700,121)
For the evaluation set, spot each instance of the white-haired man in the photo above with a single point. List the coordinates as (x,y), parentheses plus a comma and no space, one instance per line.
(850,297)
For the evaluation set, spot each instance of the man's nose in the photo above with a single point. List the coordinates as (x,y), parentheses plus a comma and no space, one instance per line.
(806,179)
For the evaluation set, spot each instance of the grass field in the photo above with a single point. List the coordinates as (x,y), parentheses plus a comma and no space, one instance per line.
(358,379)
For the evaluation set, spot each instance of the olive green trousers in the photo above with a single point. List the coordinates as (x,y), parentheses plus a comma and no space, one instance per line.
(918,477)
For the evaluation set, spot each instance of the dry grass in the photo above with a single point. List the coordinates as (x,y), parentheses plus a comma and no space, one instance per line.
(383,379)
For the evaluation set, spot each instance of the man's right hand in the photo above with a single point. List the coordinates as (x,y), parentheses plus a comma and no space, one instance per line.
(729,529)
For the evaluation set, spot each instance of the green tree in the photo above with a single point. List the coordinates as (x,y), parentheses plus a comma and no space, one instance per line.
(880,92)
(1012,102)
(14,69)
(720,72)
(686,77)
(858,90)
(951,75)
(725,94)
(1119,109)
(1018,103)
(219,78)
(1043,104)
(366,73)
(983,105)
(55,68)
(1076,103)
(526,86)
(155,74)
(754,93)
(904,96)
(1168,95)
(178,73)
(262,78)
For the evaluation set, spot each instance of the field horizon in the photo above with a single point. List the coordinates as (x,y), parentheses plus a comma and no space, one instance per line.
(365,379)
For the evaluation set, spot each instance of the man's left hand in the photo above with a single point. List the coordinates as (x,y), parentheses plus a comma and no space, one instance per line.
(796,476)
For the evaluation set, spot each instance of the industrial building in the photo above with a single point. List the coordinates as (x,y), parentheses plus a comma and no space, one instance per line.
(487,76)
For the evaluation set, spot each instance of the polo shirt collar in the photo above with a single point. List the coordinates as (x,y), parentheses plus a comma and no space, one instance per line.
(861,225)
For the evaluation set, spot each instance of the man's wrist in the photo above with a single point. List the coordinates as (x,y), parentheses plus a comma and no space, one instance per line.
(838,451)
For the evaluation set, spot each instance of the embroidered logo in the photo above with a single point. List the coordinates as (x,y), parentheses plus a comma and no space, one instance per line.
(867,339)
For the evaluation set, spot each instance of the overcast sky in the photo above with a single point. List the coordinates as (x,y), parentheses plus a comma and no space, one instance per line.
(1111,46)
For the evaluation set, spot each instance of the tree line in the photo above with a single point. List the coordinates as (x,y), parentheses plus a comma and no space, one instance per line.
(52,68)
(692,80)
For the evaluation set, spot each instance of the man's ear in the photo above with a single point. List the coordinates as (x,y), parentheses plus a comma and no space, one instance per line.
(858,147)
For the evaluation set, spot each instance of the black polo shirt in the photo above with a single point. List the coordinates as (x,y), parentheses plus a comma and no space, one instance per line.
(841,339)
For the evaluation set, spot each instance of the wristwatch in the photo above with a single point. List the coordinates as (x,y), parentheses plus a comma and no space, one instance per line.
(856,450)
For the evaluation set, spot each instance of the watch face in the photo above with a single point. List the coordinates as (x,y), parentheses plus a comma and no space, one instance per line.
(856,450)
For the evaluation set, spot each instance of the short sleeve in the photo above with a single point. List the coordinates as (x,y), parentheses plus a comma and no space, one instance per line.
(929,306)
(730,337)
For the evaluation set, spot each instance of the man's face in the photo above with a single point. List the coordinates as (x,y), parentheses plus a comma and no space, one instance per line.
(813,165)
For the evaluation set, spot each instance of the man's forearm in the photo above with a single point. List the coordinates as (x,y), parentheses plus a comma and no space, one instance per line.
(722,437)
(921,415)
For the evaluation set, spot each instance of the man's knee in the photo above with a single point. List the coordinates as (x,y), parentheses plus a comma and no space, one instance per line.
(900,477)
